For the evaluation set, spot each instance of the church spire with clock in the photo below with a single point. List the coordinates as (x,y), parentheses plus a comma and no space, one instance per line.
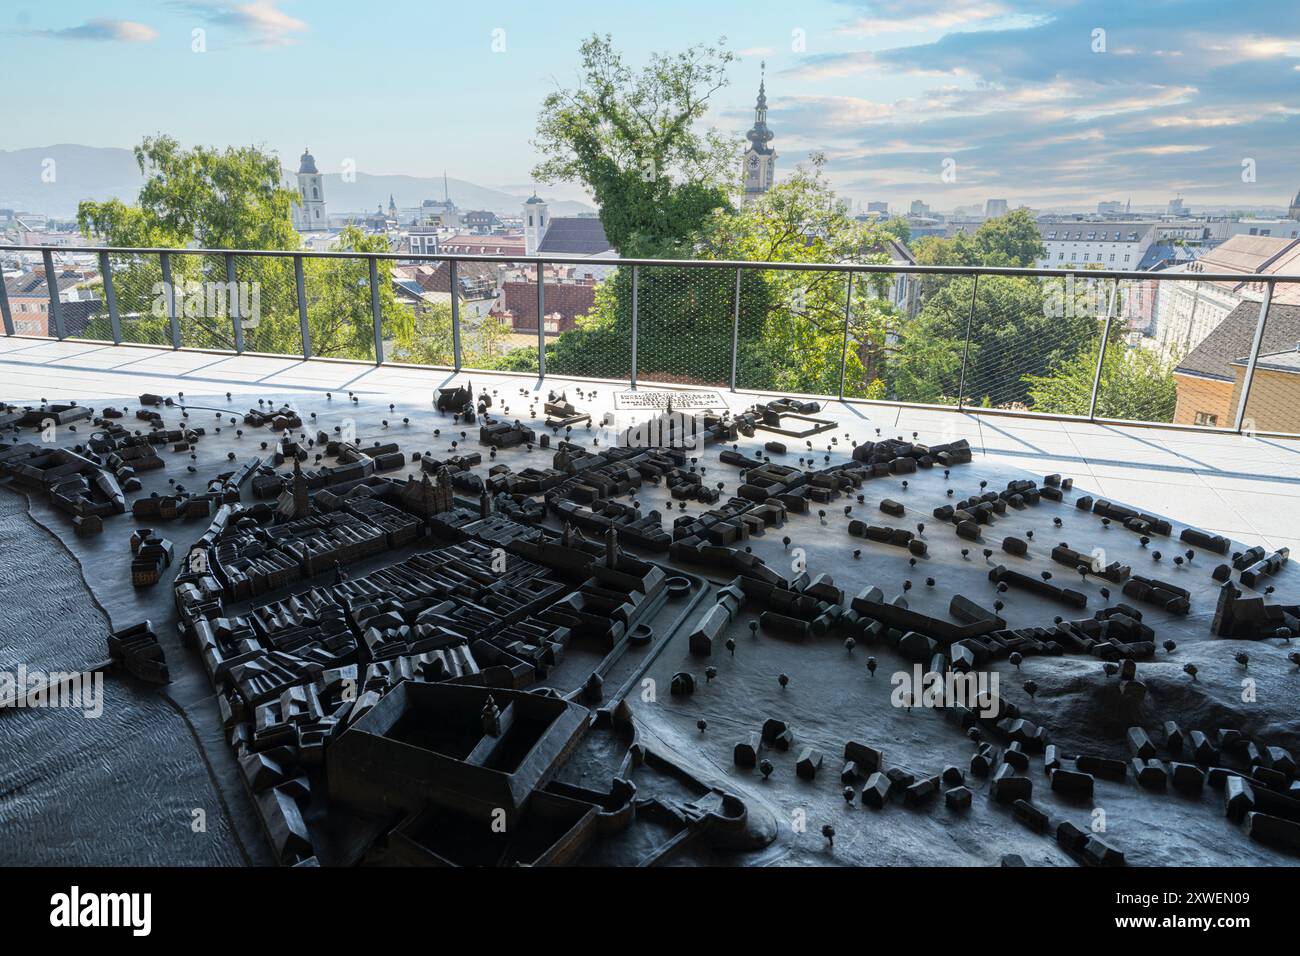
(759,164)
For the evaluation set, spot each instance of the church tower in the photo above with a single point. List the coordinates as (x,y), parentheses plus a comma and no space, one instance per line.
(309,212)
(759,163)
(536,219)
(1294,211)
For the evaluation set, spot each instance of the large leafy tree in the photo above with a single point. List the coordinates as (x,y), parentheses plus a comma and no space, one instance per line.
(233,199)
(790,331)
(631,138)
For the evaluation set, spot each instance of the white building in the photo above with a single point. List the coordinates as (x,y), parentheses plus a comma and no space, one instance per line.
(1103,245)
(309,210)
(994,208)
(1186,312)
(1280,228)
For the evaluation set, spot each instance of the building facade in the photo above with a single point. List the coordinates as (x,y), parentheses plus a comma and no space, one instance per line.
(1103,245)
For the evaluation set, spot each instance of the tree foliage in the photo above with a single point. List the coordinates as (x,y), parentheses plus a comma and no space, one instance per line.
(629,136)
(233,199)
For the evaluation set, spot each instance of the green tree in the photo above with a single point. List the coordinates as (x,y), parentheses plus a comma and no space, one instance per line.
(790,334)
(631,138)
(233,199)
(1135,385)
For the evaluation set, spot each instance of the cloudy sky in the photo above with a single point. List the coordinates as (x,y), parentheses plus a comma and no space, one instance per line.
(1053,103)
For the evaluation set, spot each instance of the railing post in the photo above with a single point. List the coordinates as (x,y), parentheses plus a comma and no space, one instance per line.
(300,288)
(232,293)
(455,312)
(636,277)
(541,322)
(844,349)
(375,313)
(4,308)
(52,283)
(1254,357)
(965,355)
(735,333)
(110,297)
(169,296)
(1101,352)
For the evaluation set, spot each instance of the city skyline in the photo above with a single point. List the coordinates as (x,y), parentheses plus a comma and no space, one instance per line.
(1050,104)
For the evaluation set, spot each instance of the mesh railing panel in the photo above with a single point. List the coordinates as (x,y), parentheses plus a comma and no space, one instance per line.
(1137,379)
(268,304)
(141,303)
(589,321)
(791,331)
(82,304)
(685,324)
(205,301)
(338,307)
(1026,333)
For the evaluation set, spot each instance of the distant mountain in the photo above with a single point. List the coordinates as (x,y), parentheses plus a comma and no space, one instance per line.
(367,192)
(53,179)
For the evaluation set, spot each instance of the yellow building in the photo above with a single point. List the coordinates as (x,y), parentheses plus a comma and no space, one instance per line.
(1210,379)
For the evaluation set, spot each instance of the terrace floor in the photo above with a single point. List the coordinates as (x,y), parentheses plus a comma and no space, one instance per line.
(1246,488)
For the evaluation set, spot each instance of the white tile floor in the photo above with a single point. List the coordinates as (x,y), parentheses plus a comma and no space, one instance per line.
(1248,488)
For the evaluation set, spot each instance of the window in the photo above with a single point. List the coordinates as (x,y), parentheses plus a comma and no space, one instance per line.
(1060,255)
(1112,257)
(1051,235)
(1091,236)
(1086,255)
(1126,258)
(1205,418)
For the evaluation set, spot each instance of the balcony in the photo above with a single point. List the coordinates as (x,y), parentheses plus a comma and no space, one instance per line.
(336,334)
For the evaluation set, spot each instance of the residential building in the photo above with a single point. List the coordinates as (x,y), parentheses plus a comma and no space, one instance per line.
(1103,245)
(568,296)
(1279,228)
(479,221)
(994,208)
(1210,378)
(29,302)
(494,245)
(1187,312)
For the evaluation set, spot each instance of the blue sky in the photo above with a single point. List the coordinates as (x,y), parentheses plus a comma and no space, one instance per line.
(1026,100)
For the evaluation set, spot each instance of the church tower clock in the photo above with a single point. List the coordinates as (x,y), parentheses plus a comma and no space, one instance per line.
(759,162)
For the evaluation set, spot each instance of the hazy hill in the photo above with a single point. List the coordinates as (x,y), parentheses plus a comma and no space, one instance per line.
(92,172)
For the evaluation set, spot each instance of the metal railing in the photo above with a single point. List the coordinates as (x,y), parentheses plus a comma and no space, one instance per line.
(981,339)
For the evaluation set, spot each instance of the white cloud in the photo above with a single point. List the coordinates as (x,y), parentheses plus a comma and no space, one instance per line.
(104,30)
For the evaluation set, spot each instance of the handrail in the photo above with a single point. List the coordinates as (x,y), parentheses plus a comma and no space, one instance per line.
(165,255)
(886,268)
